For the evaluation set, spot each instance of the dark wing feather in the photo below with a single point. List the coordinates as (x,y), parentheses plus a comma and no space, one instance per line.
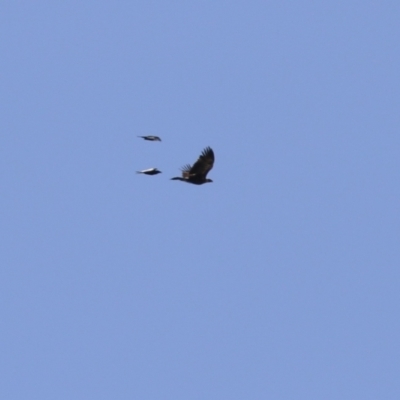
(204,163)
(186,170)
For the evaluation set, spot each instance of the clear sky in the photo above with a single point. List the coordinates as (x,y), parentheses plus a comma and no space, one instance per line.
(279,280)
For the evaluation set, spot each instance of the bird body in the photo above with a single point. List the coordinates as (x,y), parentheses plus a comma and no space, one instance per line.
(151,138)
(150,171)
(197,174)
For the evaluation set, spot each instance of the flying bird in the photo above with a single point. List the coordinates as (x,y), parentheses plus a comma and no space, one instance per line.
(151,138)
(197,173)
(150,171)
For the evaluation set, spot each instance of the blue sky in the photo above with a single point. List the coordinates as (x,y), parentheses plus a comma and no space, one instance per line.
(279,280)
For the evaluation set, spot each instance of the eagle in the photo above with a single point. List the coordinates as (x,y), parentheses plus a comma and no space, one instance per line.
(151,138)
(150,171)
(197,173)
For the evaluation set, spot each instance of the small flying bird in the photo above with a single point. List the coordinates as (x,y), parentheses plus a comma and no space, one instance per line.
(197,173)
(150,171)
(151,138)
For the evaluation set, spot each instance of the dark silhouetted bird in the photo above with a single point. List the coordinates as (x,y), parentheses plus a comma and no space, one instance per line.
(151,138)
(198,172)
(150,171)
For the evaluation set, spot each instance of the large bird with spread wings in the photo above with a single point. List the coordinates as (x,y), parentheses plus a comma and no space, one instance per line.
(151,138)
(197,174)
(149,171)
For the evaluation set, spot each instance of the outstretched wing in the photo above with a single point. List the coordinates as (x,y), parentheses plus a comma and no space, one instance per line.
(203,165)
(186,170)
(151,138)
